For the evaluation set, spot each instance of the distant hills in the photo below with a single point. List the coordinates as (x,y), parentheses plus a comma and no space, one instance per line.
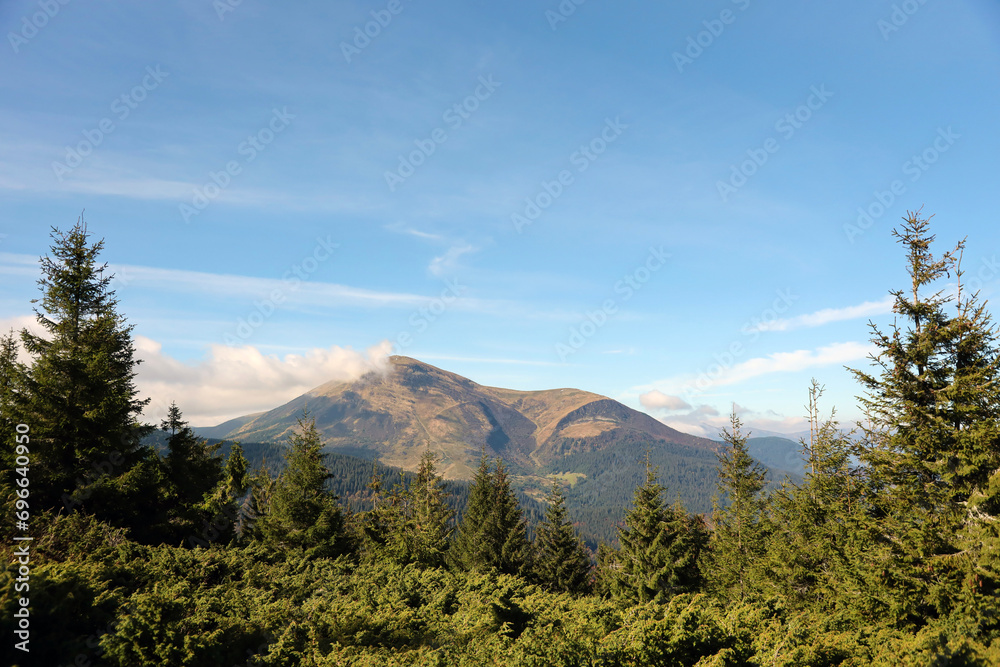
(595,445)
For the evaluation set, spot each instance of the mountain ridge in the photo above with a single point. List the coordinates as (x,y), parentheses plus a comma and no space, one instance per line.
(413,407)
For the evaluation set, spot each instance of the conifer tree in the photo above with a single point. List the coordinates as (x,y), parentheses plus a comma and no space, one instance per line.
(493,531)
(468,550)
(429,518)
(660,548)
(192,473)
(815,544)
(738,538)
(382,529)
(301,513)
(562,563)
(236,474)
(931,442)
(77,393)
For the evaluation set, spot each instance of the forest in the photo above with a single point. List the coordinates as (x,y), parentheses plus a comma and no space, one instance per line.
(121,553)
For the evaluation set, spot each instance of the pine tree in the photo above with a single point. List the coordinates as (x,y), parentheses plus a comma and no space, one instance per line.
(562,563)
(78,394)
(738,538)
(660,548)
(301,513)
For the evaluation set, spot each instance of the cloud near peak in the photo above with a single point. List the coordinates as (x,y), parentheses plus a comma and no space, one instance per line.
(234,381)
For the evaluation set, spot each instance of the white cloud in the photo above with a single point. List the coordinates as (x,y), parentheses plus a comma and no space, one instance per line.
(234,381)
(446,262)
(655,399)
(689,384)
(827,315)
(788,362)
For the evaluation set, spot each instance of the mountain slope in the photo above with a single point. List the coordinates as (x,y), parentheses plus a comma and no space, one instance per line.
(413,407)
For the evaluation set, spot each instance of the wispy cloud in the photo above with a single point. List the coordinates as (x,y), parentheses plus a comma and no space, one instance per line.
(445,263)
(400,228)
(828,315)
(311,293)
(780,362)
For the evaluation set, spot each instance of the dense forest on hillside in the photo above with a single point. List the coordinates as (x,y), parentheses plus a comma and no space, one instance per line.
(120,553)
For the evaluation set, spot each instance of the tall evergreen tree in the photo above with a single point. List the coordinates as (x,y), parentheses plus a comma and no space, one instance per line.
(301,513)
(192,473)
(660,548)
(931,442)
(78,394)
(493,531)
(738,538)
(429,518)
(561,562)
(814,542)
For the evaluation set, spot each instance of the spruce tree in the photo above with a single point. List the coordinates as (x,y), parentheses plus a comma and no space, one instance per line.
(301,513)
(815,544)
(493,531)
(429,522)
(738,538)
(562,563)
(660,548)
(192,473)
(77,393)
(469,551)
(931,440)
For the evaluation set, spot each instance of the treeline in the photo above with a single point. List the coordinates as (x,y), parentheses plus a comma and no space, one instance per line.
(885,553)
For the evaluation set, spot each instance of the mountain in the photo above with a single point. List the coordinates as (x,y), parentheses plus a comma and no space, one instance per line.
(778,453)
(596,446)
(413,406)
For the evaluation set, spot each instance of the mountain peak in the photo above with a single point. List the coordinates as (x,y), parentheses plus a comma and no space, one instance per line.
(414,407)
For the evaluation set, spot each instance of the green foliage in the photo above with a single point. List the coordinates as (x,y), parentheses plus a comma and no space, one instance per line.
(885,552)
(933,439)
(192,471)
(660,549)
(300,513)
(429,519)
(738,536)
(493,532)
(562,563)
(78,394)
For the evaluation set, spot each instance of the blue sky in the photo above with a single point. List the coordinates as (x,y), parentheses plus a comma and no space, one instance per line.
(610,196)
